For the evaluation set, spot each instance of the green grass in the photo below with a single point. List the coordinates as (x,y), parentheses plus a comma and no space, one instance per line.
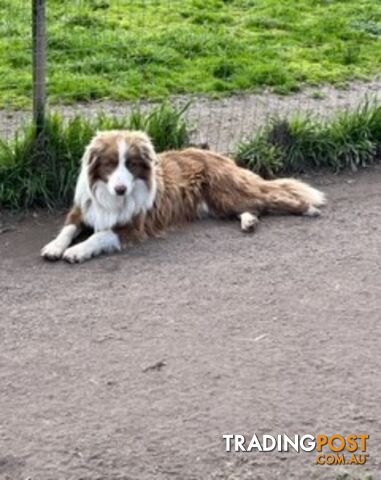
(41,170)
(123,49)
(361,476)
(290,146)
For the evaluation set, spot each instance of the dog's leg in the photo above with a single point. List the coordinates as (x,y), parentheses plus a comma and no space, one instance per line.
(54,249)
(249,222)
(100,242)
(312,212)
(139,229)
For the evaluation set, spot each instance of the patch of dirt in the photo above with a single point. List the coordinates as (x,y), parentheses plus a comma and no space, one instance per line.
(133,366)
(222,123)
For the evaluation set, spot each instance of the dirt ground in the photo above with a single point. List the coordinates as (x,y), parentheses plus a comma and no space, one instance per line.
(133,366)
(224,122)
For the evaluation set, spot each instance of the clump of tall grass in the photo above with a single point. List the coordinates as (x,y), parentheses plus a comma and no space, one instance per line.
(40,170)
(352,139)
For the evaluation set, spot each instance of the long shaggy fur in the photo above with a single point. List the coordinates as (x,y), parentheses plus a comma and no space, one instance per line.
(125,190)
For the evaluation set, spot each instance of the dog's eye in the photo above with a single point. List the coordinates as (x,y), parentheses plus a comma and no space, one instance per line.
(132,162)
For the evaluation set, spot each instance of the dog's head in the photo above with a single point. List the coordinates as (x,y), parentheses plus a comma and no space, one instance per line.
(118,160)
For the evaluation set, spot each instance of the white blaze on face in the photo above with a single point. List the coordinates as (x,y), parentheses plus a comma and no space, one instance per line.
(121,176)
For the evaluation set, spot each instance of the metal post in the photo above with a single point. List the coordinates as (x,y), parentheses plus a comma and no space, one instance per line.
(39,62)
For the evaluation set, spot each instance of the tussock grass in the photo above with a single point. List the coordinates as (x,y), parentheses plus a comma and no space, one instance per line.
(351,140)
(40,171)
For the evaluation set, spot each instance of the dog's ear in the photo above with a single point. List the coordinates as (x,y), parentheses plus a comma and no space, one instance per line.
(92,156)
(90,161)
(139,154)
(147,153)
(93,150)
(140,159)
(141,145)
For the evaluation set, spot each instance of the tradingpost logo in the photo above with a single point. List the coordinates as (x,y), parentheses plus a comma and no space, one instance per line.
(333,449)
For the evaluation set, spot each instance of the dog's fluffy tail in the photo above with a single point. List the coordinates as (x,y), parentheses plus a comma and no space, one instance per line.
(288,195)
(302,191)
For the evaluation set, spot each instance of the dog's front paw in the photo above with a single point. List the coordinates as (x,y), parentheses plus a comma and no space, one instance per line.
(76,254)
(52,251)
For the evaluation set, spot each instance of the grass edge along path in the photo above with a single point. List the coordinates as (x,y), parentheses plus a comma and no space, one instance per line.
(41,172)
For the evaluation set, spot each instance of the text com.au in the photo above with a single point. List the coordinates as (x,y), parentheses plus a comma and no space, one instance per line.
(335,449)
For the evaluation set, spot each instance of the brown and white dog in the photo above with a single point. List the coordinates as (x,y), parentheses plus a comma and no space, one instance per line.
(125,190)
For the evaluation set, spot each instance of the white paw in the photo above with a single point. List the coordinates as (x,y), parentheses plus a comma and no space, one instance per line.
(312,212)
(53,251)
(77,254)
(248,222)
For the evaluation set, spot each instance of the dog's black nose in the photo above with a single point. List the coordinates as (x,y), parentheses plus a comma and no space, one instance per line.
(120,189)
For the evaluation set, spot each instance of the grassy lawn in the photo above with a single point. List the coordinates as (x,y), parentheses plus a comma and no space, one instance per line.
(127,49)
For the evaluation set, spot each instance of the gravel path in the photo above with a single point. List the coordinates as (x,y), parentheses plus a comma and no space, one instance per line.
(222,123)
(133,366)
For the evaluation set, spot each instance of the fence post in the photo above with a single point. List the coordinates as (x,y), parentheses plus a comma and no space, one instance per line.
(39,62)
